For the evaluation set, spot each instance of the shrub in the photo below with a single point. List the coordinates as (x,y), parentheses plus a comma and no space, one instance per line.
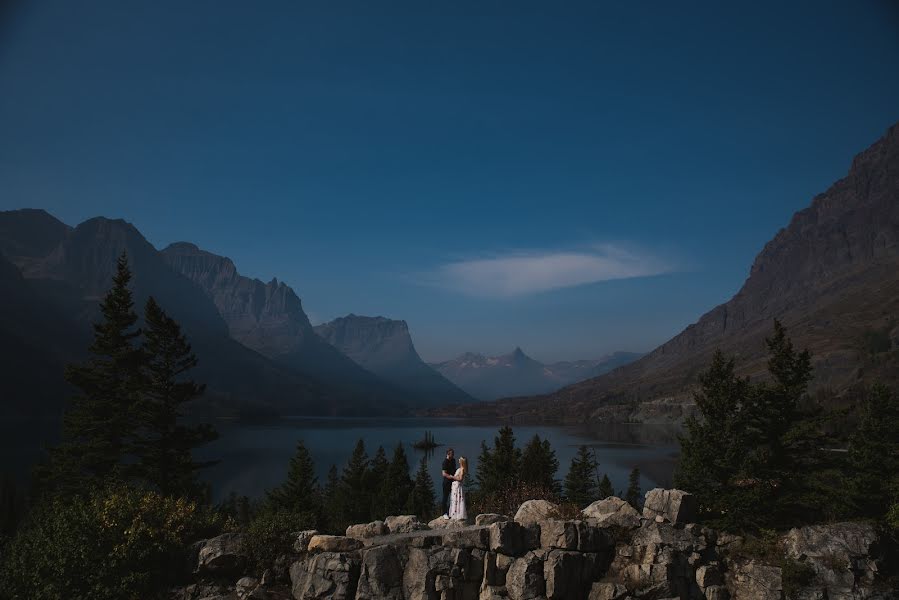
(270,534)
(115,543)
(506,501)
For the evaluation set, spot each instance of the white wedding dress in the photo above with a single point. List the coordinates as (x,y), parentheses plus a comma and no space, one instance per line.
(457,500)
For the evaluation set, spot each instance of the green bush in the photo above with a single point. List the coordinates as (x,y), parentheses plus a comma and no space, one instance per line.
(116,543)
(270,535)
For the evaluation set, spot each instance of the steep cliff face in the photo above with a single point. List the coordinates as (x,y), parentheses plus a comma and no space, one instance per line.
(831,276)
(517,374)
(69,280)
(384,347)
(269,318)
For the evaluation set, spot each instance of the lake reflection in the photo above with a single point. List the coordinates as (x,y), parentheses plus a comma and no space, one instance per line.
(254,456)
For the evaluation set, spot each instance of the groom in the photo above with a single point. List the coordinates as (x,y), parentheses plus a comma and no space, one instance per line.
(448,472)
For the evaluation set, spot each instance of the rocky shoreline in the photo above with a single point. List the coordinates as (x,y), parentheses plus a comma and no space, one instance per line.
(610,552)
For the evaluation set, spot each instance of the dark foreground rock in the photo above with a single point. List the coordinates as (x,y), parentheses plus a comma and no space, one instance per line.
(610,553)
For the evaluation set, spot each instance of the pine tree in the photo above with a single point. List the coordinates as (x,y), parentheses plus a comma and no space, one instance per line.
(331,518)
(605,488)
(581,486)
(633,493)
(873,458)
(377,473)
(164,446)
(300,492)
(421,498)
(99,425)
(395,486)
(500,468)
(714,444)
(539,464)
(354,498)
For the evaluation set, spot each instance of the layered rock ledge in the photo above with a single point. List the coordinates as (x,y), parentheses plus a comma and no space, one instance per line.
(611,552)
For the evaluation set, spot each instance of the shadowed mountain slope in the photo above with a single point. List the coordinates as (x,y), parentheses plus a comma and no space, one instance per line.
(384,347)
(831,276)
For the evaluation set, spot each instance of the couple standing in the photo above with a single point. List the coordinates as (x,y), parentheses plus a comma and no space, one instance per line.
(453,494)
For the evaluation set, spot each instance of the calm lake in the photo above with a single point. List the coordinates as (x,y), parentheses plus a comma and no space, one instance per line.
(255,456)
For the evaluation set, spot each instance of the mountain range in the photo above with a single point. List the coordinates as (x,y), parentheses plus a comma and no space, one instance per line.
(831,276)
(517,374)
(258,352)
(384,347)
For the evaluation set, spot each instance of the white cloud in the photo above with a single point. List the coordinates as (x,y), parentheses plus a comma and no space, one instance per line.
(530,272)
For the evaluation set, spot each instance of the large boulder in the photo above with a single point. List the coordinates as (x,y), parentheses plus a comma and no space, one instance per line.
(381,577)
(443,573)
(535,511)
(302,539)
(612,511)
(525,580)
(221,555)
(565,575)
(508,537)
(490,519)
(329,575)
(676,506)
(404,524)
(607,591)
(441,523)
(559,534)
(840,554)
(367,530)
(753,580)
(333,543)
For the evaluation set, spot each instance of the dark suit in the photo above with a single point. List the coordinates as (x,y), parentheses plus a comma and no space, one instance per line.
(449,466)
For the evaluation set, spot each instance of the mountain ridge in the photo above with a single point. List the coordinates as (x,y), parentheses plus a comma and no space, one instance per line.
(830,276)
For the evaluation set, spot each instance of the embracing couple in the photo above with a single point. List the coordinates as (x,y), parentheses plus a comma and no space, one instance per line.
(453,494)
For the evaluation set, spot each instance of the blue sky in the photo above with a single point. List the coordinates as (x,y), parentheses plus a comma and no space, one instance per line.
(572,178)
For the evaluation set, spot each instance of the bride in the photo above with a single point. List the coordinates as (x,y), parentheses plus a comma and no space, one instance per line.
(457,494)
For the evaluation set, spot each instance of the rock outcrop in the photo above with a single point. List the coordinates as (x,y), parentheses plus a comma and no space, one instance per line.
(384,347)
(550,558)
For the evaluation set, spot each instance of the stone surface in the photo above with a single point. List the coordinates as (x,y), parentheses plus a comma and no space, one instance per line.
(333,543)
(535,511)
(404,524)
(564,575)
(329,575)
(507,537)
(840,554)
(559,534)
(753,580)
(525,581)
(607,507)
(467,537)
(708,575)
(246,586)
(490,518)
(381,575)
(301,543)
(676,506)
(607,591)
(367,530)
(222,554)
(441,523)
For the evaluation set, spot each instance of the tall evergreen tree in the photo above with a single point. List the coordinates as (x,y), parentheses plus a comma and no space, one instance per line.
(395,486)
(539,464)
(99,424)
(421,499)
(499,468)
(377,473)
(605,487)
(300,493)
(633,493)
(715,443)
(581,486)
(164,445)
(354,497)
(331,518)
(874,453)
